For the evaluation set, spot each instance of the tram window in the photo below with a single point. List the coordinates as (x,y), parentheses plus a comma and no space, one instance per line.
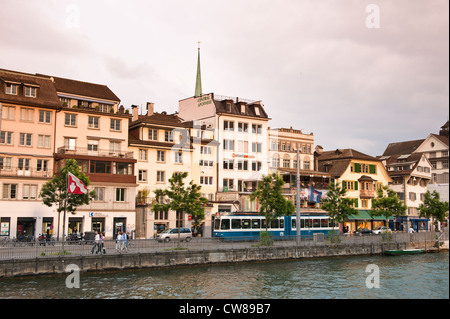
(274,223)
(217,224)
(225,224)
(324,223)
(263,223)
(308,223)
(245,223)
(235,224)
(302,223)
(316,223)
(294,223)
(256,223)
(331,223)
(281,223)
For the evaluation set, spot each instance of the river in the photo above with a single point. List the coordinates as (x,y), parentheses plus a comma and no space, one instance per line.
(424,276)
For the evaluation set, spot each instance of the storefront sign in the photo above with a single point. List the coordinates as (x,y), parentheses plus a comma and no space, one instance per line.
(243,155)
(91,214)
(204,100)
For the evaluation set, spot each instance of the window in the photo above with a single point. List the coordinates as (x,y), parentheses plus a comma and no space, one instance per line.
(206,163)
(99,194)
(8,113)
(256,166)
(30,91)
(29,191)
(115,125)
(26,115)
(25,139)
(43,141)
(24,164)
(120,194)
(153,135)
(179,157)
(243,146)
(92,146)
(5,162)
(160,176)
(11,88)
(228,184)
(6,138)
(45,117)
(9,191)
(228,145)
(257,128)
(42,165)
(228,125)
(206,180)
(206,150)
(286,163)
(93,122)
(70,119)
(122,168)
(257,111)
(242,165)
(168,136)
(161,156)
(142,175)
(114,147)
(70,143)
(100,167)
(228,164)
(256,147)
(142,155)
(243,127)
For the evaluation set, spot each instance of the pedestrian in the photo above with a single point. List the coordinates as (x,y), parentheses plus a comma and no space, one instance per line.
(102,238)
(96,243)
(125,241)
(118,241)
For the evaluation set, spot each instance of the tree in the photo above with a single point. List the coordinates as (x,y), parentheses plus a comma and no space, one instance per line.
(54,192)
(181,199)
(433,207)
(338,207)
(387,203)
(272,203)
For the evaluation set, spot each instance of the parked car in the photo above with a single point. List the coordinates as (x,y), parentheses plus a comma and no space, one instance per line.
(172,234)
(381,229)
(363,231)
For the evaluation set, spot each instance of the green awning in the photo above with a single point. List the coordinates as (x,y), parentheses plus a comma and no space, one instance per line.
(364,215)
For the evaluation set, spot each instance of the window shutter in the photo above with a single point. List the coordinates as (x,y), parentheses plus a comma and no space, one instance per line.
(372,169)
(356,185)
(356,202)
(357,168)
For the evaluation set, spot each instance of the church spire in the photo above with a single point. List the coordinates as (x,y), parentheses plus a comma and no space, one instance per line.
(198,83)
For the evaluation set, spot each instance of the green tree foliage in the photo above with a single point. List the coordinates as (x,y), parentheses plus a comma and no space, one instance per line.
(54,192)
(433,207)
(387,204)
(336,205)
(181,198)
(272,203)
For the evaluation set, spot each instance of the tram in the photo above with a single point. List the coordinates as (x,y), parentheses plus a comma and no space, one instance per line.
(232,227)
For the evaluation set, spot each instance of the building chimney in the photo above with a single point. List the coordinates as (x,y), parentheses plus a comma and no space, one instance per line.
(150,108)
(134,113)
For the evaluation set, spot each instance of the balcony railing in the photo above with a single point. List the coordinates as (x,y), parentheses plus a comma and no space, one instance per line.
(99,152)
(366,193)
(25,172)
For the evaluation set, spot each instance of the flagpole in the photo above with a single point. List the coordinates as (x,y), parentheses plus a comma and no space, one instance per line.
(65,208)
(298,196)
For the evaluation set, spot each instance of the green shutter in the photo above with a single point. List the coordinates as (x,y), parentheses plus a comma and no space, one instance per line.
(372,169)
(343,185)
(357,168)
(356,185)
(356,202)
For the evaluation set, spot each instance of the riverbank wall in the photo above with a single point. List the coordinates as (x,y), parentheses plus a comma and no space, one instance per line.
(175,258)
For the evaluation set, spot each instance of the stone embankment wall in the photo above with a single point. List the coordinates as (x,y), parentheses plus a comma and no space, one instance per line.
(58,265)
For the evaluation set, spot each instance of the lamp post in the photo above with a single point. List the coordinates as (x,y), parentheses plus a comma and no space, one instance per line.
(298,224)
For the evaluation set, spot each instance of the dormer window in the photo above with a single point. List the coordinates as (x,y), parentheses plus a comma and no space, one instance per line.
(11,88)
(30,91)
(257,111)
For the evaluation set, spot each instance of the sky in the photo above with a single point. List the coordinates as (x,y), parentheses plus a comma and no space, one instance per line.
(357,74)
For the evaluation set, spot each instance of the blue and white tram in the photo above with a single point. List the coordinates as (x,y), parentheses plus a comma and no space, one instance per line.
(233,227)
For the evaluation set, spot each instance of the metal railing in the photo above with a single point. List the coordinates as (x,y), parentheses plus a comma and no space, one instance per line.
(37,249)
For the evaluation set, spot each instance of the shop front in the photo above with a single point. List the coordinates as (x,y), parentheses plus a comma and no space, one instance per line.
(363,220)
(419,224)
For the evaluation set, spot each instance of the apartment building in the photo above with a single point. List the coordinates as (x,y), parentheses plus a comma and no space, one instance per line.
(361,176)
(240,127)
(92,129)
(28,108)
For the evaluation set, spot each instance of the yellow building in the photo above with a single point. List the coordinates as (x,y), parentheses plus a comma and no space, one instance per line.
(361,176)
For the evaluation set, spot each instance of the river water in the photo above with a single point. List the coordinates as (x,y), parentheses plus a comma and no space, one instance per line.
(424,276)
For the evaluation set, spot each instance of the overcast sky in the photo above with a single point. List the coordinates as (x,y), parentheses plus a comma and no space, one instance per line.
(356,76)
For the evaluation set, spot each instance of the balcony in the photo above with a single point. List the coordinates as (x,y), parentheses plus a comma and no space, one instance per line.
(83,151)
(366,194)
(25,172)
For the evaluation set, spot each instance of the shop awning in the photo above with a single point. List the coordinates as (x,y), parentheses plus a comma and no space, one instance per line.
(364,215)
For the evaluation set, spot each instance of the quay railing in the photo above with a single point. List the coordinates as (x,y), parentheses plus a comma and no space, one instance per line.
(36,249)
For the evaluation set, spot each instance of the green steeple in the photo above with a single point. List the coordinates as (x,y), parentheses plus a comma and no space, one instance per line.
(198,83)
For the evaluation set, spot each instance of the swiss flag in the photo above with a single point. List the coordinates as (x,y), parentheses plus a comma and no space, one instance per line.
(75,186)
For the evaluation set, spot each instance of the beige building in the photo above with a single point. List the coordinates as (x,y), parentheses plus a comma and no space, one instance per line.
(28,108)
(361,176)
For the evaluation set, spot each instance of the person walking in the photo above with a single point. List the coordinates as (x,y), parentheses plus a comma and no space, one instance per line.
(102,238)
(118,241)
(96,243)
